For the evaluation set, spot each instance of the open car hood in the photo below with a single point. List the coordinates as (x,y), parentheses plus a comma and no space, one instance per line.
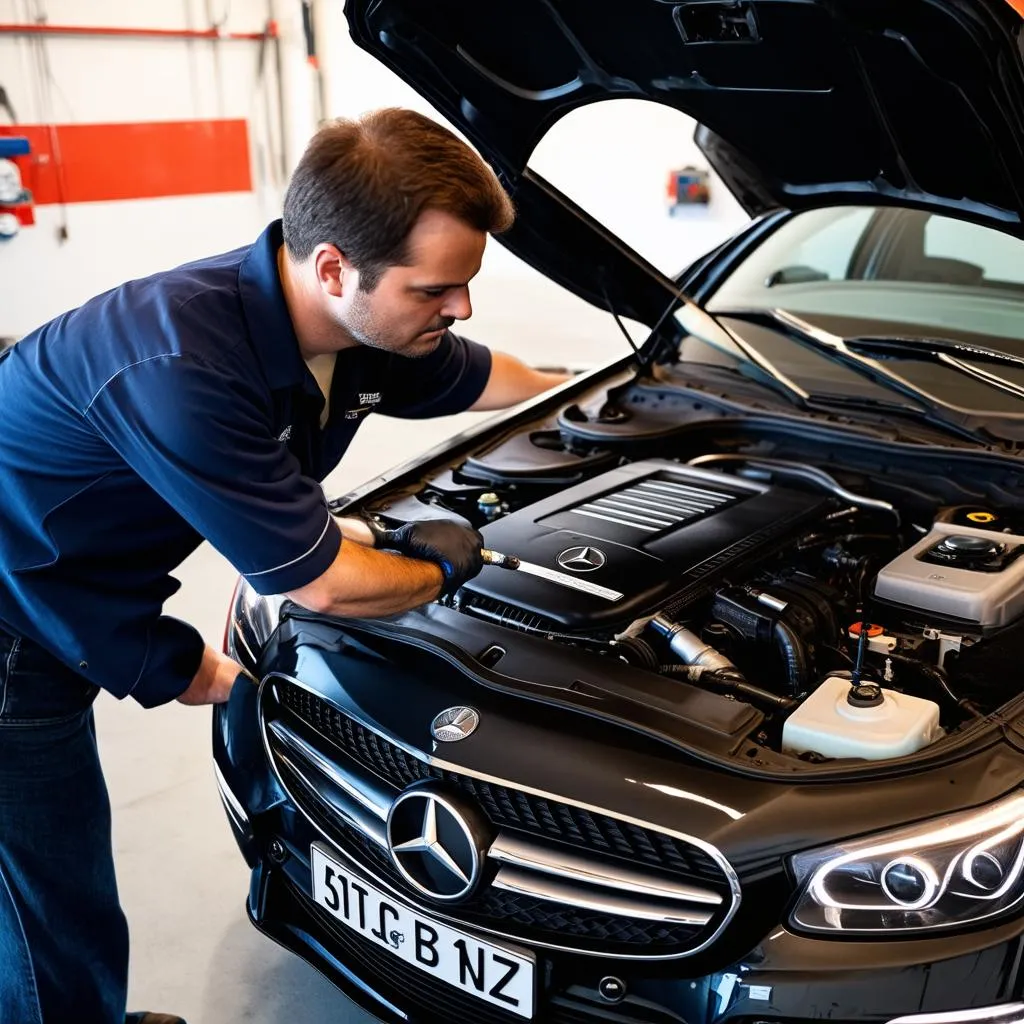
(801,103)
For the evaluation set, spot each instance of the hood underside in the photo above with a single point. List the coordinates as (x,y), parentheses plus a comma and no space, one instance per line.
(801,103)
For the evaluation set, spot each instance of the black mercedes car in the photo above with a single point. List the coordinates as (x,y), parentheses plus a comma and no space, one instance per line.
(742,737)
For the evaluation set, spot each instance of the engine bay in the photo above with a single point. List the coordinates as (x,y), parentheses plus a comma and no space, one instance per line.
(858,626)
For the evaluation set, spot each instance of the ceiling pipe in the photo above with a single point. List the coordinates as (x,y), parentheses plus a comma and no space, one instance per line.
(296,78)
(330,30)
(213,34)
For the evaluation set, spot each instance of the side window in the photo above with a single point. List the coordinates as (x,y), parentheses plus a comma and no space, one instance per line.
(1000,256)
(804,255)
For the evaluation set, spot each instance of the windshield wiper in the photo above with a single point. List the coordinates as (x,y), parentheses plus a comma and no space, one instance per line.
(946,352)
(928,407)
(711,330)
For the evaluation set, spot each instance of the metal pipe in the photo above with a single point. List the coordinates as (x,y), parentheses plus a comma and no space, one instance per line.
(330,30)
(801,471)
(270,32)
(295,80)
(689,647)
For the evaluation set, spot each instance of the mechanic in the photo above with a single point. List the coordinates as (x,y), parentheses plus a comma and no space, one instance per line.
(207,402)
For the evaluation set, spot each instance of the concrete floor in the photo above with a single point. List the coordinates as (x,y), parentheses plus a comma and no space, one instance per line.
(183,882)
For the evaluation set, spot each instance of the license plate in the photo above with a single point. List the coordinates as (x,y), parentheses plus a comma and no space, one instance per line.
(493,973)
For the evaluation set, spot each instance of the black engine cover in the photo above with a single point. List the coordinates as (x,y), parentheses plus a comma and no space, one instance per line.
(652,530)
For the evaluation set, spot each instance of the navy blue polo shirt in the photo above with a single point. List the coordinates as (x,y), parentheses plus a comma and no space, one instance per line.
(169,410)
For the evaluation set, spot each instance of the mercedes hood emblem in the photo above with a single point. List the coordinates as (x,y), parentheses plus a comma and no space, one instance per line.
(454,724)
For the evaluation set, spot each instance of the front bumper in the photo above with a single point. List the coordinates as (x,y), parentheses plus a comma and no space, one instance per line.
(786,978)
(781,978)
(1009,1013)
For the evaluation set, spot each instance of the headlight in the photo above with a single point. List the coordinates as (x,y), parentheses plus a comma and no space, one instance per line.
(939,874)
(251,621)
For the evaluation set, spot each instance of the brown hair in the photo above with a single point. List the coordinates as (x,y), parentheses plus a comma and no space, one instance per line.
(361,185)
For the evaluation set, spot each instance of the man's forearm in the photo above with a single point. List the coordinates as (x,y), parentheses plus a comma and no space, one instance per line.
(365,582)
(382,583)
(512,381)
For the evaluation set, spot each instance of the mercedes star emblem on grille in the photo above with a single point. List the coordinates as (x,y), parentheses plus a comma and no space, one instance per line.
(454,724)
(436,843)
(581,559)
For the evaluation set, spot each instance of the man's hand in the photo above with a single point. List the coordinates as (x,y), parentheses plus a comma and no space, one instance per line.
(212,683)
(453,548)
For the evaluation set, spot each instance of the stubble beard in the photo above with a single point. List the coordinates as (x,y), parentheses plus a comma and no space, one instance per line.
(362,327)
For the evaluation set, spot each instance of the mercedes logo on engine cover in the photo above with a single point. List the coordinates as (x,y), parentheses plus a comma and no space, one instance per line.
(581,559)
(436,843)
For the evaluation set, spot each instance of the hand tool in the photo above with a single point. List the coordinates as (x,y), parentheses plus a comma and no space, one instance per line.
(497,558)
(563,579)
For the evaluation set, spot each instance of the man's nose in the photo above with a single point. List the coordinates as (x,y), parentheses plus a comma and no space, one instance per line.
(457,305)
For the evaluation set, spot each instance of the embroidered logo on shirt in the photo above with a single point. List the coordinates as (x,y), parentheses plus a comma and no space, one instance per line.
(285,434)
(367,400)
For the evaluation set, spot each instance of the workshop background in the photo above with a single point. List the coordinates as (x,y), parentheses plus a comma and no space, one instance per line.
(164,131)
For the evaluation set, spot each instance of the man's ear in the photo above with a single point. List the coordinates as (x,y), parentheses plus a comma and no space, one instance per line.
(331,269)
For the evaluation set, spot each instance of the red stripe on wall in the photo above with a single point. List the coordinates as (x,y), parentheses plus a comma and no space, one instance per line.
(104,162)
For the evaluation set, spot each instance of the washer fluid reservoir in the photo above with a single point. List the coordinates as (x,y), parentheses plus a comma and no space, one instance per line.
(828,723)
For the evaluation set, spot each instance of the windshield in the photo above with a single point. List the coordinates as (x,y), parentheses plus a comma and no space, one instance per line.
(921,273)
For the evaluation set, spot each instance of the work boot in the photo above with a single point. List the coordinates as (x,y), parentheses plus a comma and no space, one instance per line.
(152,1018)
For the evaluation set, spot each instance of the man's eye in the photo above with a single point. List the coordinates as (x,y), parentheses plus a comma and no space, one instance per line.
(433,293)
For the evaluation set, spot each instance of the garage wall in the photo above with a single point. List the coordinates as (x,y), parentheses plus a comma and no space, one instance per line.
(100,80)
(613,160)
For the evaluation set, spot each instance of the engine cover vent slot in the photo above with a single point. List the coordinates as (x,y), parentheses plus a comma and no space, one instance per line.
(655,504)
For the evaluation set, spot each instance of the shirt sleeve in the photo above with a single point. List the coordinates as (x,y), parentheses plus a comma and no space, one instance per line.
(174,654)
(202,439)
(447,381)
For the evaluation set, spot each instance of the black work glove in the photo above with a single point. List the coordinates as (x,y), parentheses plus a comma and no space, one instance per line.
(453,548)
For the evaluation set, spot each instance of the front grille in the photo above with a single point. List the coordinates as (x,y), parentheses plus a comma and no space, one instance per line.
(384,759)
(655,504)
(504,806)
(523,917)
(600,833)
(340,773)
(604,932)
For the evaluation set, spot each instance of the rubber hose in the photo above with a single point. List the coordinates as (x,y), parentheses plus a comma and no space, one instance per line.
(791,648)
(732,681)
(636,651)
(936,675)
(794,657)
(815,600)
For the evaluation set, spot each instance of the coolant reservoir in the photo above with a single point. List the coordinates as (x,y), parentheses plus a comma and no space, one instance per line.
(829,724)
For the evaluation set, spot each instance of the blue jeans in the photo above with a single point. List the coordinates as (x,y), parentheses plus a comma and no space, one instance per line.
(63,936)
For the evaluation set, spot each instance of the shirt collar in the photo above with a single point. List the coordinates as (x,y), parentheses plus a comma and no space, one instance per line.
(266,312)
